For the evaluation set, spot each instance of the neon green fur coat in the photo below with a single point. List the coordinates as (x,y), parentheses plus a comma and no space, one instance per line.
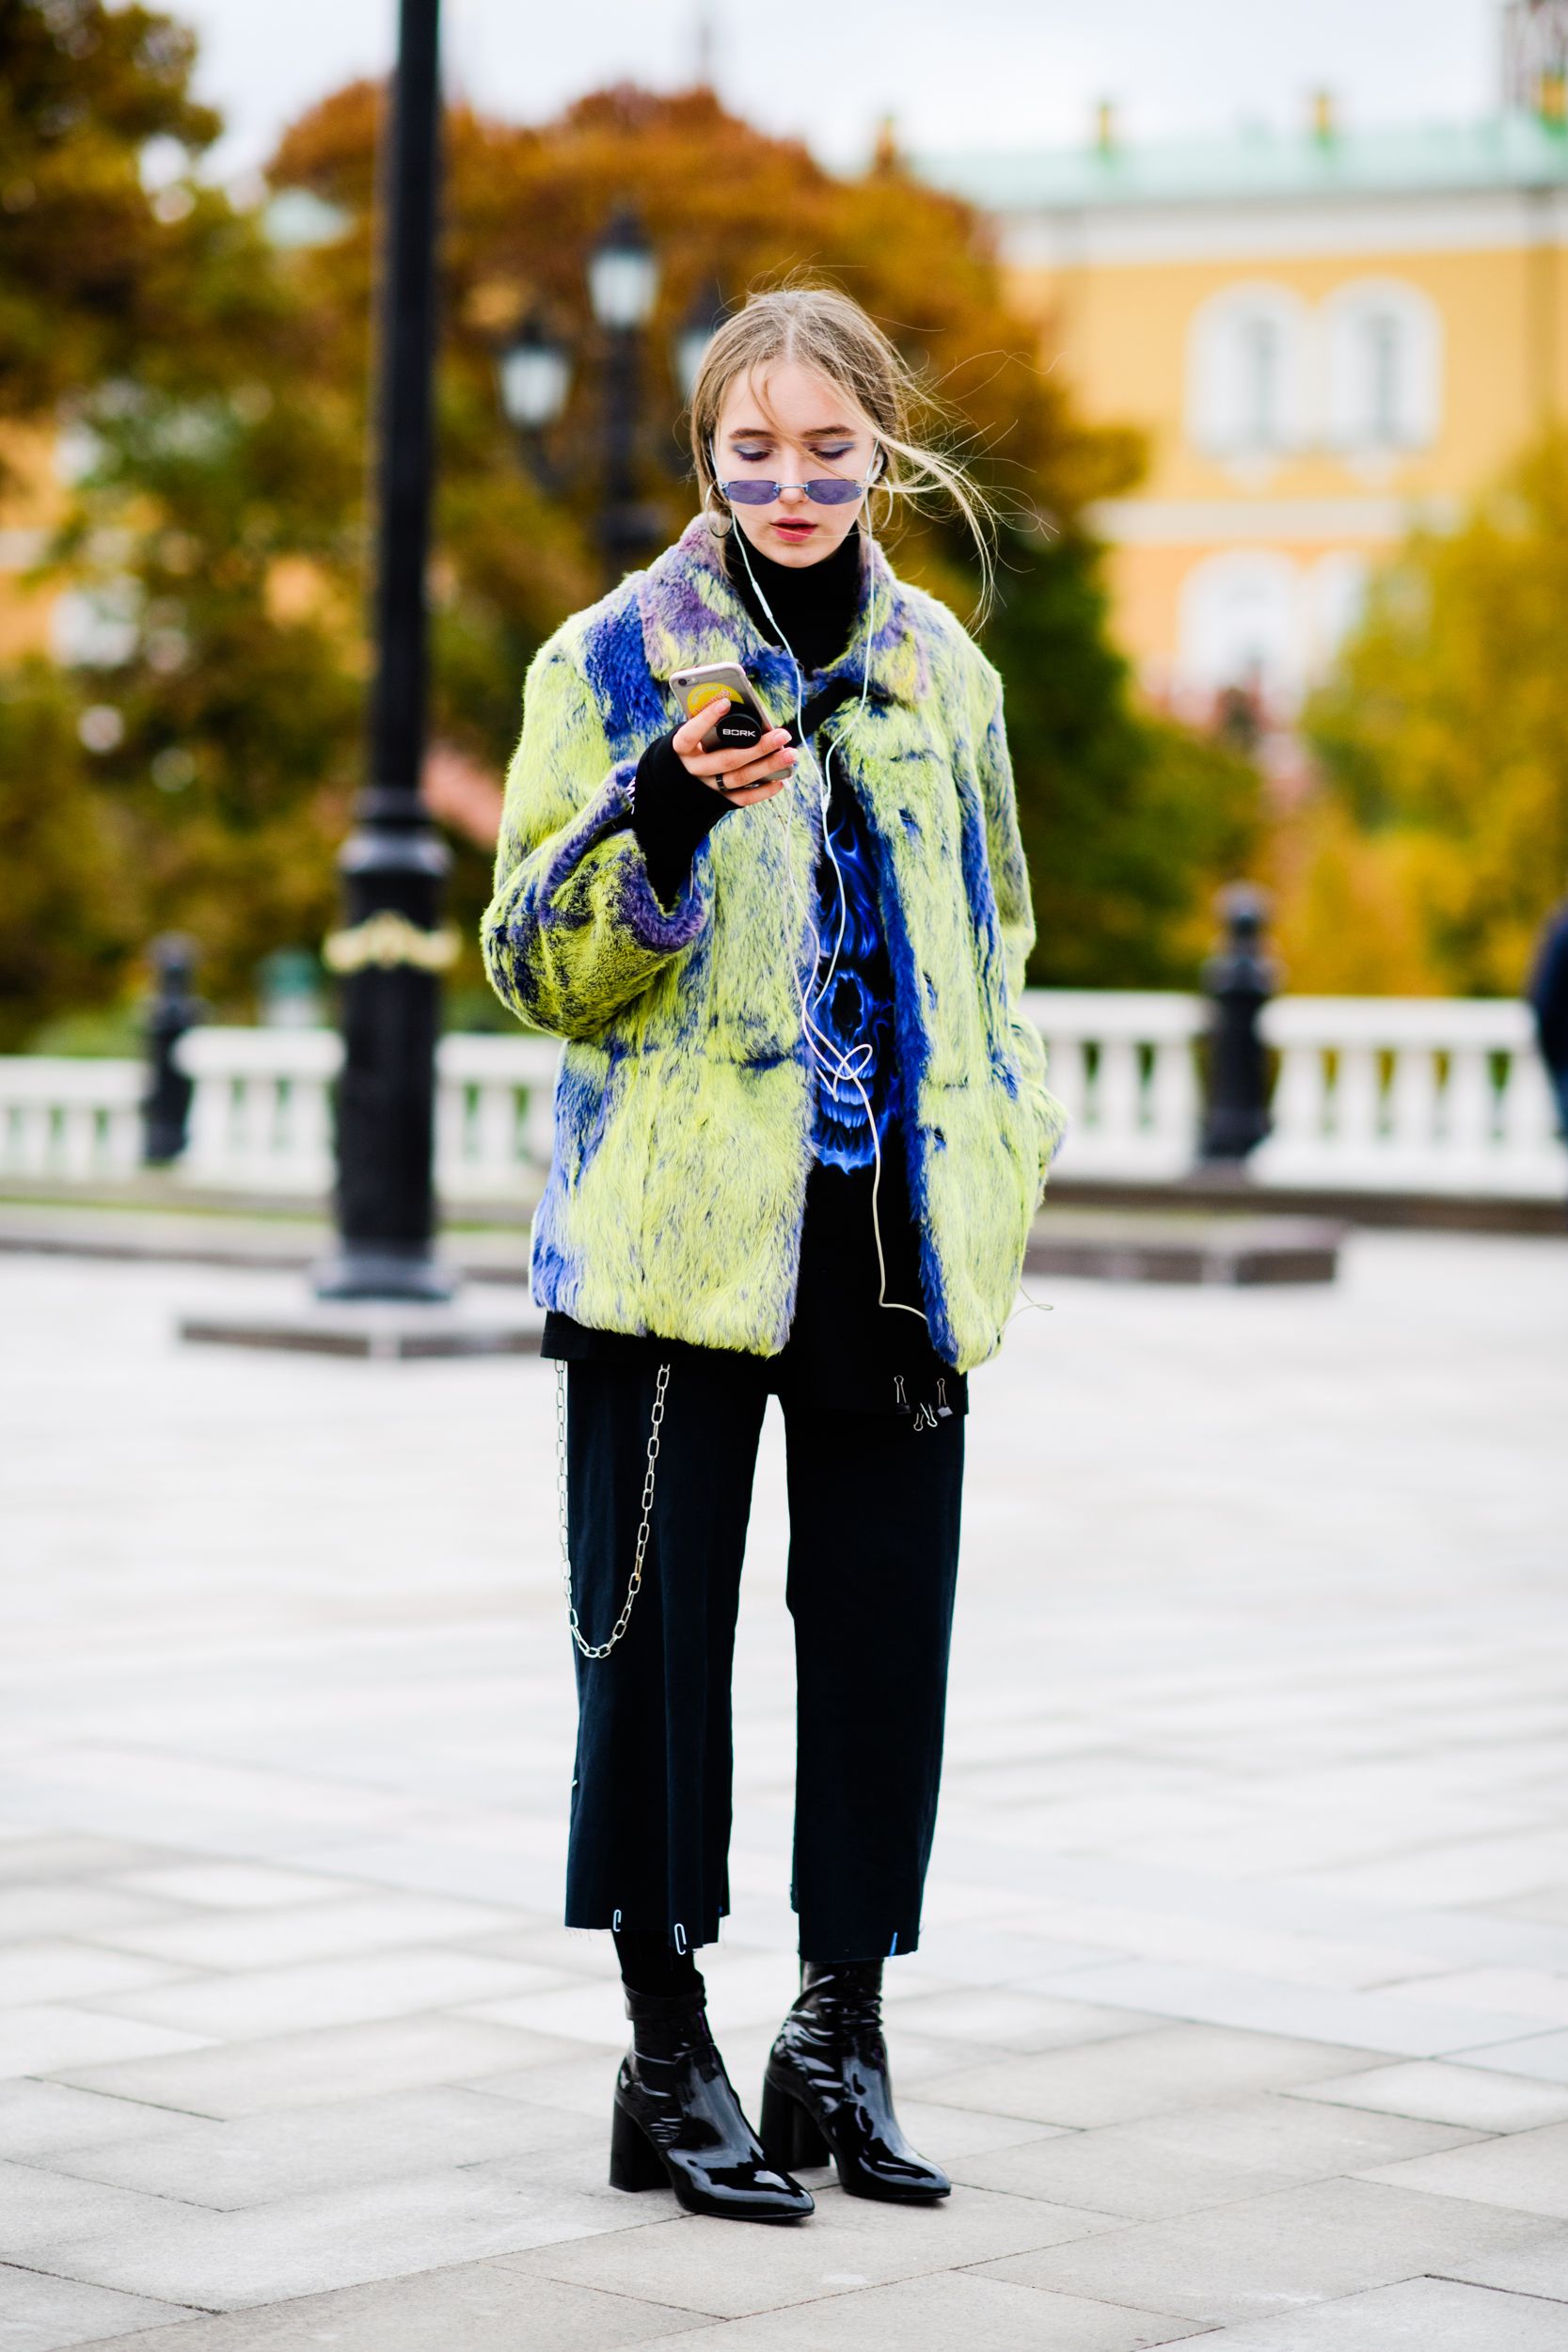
(683,1107)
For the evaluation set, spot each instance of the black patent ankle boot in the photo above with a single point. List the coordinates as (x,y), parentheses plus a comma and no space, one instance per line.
(825,2091)
(677,2123)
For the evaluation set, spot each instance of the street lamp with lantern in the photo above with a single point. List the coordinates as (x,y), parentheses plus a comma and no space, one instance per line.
(623,287)
(535,375)
(534,372)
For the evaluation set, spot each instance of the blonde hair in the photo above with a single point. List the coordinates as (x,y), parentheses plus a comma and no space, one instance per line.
(816,326)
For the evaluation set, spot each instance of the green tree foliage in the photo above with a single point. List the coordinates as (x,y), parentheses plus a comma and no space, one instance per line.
(69,925)
(1129,822)
(97,276)
(1443,739)
(163,326)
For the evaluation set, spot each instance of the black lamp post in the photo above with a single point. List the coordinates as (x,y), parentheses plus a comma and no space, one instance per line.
(623,287)
(391,952)
(535,375)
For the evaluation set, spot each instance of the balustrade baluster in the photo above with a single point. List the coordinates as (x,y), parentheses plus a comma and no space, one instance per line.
(1414,1100)
(1357,1100)
(1118,1099)
(1300,1107)
(1469,1103)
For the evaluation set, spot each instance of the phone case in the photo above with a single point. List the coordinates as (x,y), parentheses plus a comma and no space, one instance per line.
(742,724)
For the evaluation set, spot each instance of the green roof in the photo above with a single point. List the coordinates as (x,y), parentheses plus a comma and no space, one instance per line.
(1515,150)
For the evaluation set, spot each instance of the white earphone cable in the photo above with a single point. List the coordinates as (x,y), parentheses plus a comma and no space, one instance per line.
(830,1060)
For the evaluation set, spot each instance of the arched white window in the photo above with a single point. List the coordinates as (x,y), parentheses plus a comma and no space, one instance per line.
(1242,623)
(1249,367)
(1337,588)
(1382,362)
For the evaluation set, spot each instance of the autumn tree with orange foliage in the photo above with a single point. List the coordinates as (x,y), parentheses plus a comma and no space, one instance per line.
(237,502)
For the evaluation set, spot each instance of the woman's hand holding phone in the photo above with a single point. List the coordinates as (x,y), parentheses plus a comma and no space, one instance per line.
(735,773)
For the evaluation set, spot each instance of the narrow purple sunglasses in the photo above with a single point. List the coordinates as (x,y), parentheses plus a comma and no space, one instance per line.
(834,489)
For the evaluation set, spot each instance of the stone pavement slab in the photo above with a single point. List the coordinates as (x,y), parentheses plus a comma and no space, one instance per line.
(1417,2315)
(725,2271)
(300,2070)
(295,2150)
(58,1970)
(1542,2056)
(1177,2164)
(1242,2261)
(1139,2074)
(934,2314)
(1529,1992)
(240,2005)
(38,2313)
(39,2117)
(290,2246)
(45,2037)
(1249,1878)
(1413,2023)
(234,1885)
(1528,2171)
(471,2307)
(28,1860)
(1540,2266)
(247,1937)
(1470,2097)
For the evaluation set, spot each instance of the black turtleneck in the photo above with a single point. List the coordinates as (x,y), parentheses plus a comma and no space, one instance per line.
(814,605)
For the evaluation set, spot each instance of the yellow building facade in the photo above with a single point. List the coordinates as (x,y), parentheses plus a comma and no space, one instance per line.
(1322,338)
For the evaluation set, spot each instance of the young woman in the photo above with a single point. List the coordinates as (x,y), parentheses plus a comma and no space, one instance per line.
(801,1131)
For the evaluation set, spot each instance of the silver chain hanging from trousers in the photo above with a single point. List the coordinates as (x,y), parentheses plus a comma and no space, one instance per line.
(602,1649)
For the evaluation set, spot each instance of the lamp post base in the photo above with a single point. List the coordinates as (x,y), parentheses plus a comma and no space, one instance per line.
(381,1270)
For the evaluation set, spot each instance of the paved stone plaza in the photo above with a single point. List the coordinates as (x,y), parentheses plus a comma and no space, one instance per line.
(1241,2011)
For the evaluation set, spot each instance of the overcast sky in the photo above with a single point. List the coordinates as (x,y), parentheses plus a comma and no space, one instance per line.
(954,74)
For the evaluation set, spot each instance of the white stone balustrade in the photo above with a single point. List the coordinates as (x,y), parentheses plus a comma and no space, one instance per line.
(1425,1095)
(1123,1063)
(262,1112)
(61,1118)
(261,1117)
(1411,1094)
(494,1120)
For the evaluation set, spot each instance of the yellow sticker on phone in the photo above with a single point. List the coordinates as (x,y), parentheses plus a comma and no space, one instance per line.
(696,697)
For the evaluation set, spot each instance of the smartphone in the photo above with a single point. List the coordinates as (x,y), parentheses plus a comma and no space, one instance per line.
(745,723)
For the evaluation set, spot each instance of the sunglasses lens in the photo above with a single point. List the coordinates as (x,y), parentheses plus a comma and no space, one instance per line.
(750,492)
(832,490)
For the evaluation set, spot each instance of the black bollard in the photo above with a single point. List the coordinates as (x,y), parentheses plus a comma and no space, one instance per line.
(1238,982)
(167,1103)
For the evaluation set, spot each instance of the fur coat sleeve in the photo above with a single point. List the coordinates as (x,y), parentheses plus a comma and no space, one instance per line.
(575,930)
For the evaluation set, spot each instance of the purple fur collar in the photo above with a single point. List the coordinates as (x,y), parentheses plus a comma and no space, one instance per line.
(690,613)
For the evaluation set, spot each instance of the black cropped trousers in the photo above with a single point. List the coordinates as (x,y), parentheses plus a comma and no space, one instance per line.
(874,1515)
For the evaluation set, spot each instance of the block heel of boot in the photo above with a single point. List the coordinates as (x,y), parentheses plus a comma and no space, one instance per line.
(634,2162)
(826,2090)
(789,2134)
